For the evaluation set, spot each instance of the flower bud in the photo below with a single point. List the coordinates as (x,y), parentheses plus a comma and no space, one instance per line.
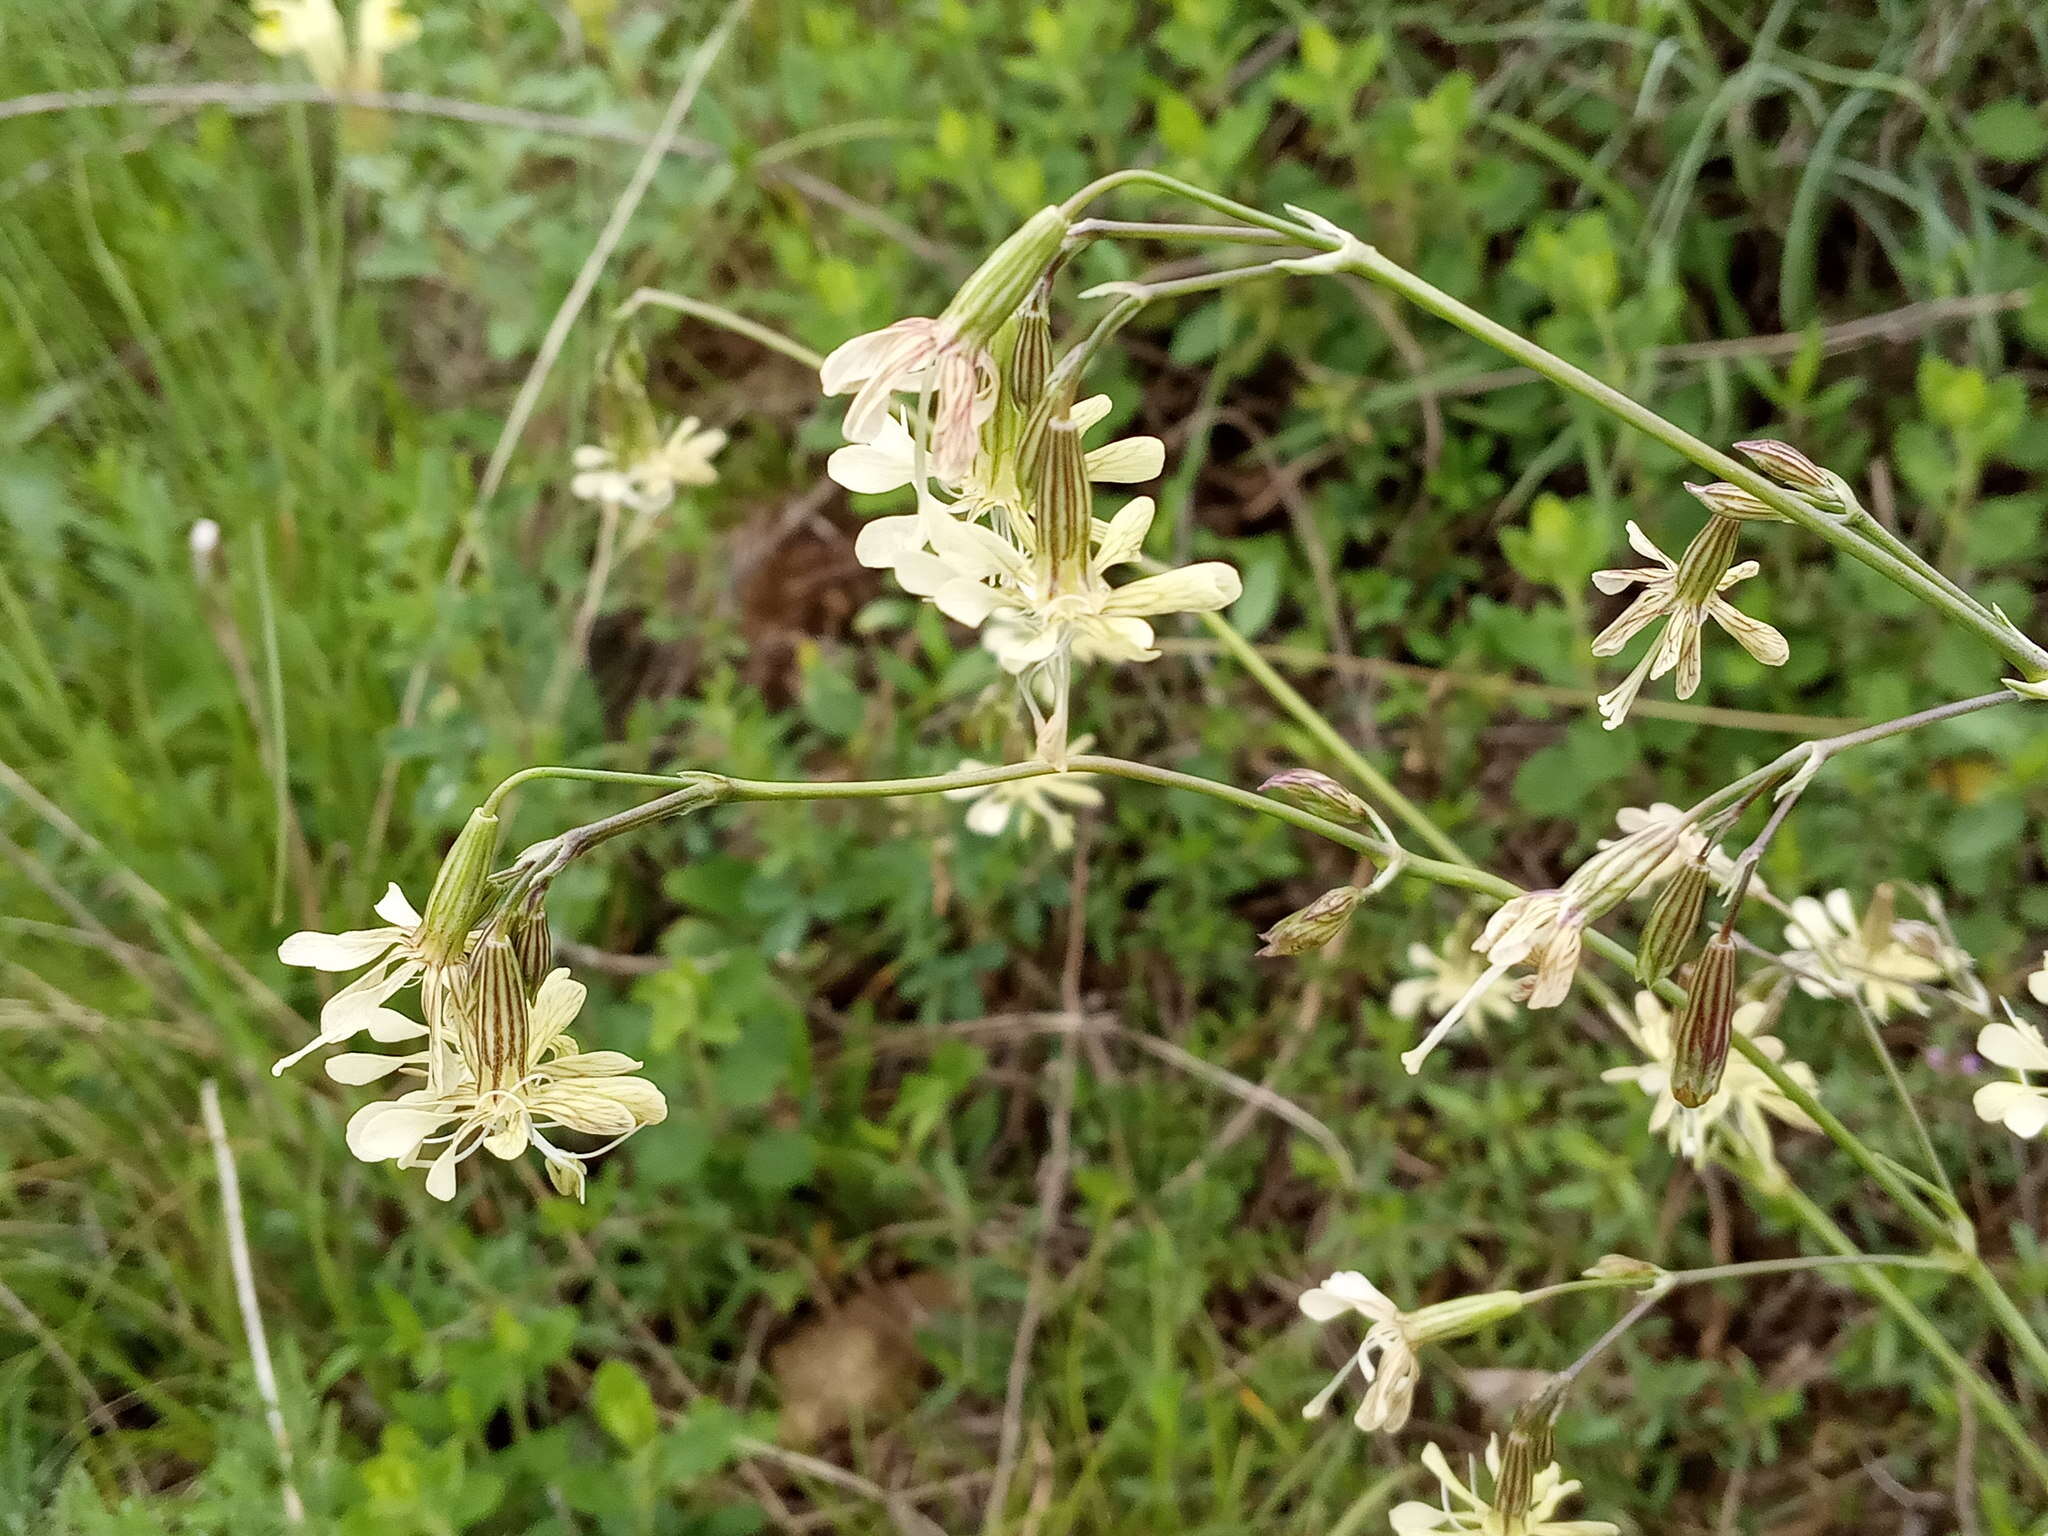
(1525,1452)
(1461,1315)
(1031,359)
(494,1009)
(1674,919)
(1699,1044)
(1314,925)
(1621,1266)
(1793,470)
(533,944)
(1732,501)
(1066,508)
(996,287)
(458,894)
(1318,793)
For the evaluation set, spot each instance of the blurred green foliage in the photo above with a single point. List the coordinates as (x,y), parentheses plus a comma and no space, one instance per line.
(308,326)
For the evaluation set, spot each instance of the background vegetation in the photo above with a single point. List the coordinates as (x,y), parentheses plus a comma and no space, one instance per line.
(308,326)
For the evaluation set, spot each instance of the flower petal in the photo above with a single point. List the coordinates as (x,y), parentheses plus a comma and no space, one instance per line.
(1123,536)
(384,1130)
(1202,588)
(396,910)
(1127,461)
(2017,1046)
(338,951)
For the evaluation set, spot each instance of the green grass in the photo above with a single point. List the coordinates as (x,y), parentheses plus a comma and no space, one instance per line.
(229,314)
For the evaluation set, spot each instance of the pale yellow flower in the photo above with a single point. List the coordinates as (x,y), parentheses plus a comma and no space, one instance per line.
(1886,960)
(1443,976)
(1049,800)
(1386,1357)
(2021,1107)
(394,963)
(647,482)
(1690,845)
(505,1104)
(1460,1510)
(1685,593)
(1746,1103)
(313,30)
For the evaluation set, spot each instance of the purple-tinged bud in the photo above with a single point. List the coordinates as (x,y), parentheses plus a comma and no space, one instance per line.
(1732,501)
(1793,470)
(1673,921)
(1699,1044)
(1315,924)
(533,945)
(1318,793)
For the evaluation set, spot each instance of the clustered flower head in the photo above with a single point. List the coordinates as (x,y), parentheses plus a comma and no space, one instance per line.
(497,1068)
(2020,1106)
(1685,593)
(1882,958)
(1746,1102)
(313,30)
(1004,538)
(1462,1510)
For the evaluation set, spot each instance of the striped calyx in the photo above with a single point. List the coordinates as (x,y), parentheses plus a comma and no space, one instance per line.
(494,1039)
(1699,1045)
(1674,919)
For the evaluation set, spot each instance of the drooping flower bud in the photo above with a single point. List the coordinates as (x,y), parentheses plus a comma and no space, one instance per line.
(1674,919)
(1793,470)
(1031,361)
(1733,502)
(493,1005)
(993,291)
(457,898)
(1318,793)
(1699,1045)
(1315,924)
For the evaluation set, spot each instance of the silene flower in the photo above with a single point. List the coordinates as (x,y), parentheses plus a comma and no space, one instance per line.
(395,960)
(2021,1107)
(1545,930)
(1691,845)
(1385,1359)
(1443,976)
(1684,593)
(1461,1510)
(1049,799)
(313,30)
(1746,1102)
(511,1077)
(648,482)
(1883,958)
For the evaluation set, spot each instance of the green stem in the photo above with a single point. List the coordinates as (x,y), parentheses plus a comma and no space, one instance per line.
(1968,1379)
(1194,194)
(1311,719)
(1366,262)
(2018,1327)
(1671,1279)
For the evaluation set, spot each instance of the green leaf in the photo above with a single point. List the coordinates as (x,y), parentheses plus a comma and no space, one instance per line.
(623,1405)
(2009,130)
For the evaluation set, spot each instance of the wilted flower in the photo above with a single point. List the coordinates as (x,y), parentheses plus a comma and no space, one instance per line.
(515,1076)
(947,359)
(1461,1510)
(647,482)
(1049,799)
(2022,1107)
(1881,957)
(1684,593)
(313,30)
(1747,1101)
(1445,975)
(1385,1358)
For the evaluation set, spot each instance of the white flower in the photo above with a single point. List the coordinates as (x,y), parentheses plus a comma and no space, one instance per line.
(2022,1107)
(1045,799)
(1833,955)
(1685,593)
(556,1086)
(918,355)
(1443,977)
(1391,1390)
(647,483)
(888,462)
(1462,1510)
(313,30)
(1747,1101)
(394,963)
(2037,983)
